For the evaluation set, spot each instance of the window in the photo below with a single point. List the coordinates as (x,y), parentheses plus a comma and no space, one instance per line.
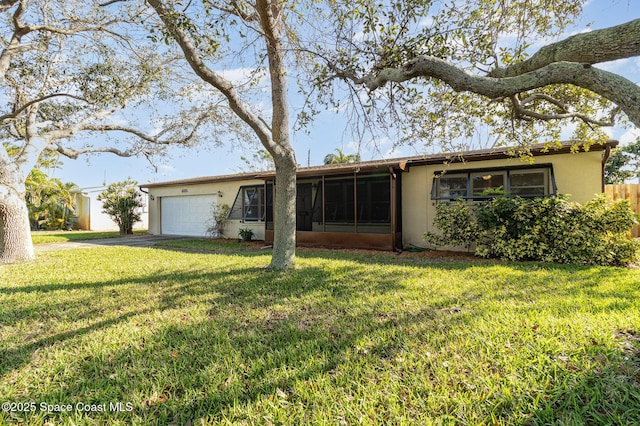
(249,204)
(339,200)
(479,184)
(451,186)
(487,182)
(528,183)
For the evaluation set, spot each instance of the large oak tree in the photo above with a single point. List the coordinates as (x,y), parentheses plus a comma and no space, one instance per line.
(445,69)
(66,67)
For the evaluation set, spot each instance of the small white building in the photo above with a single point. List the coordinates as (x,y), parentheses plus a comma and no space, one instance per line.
(90,216)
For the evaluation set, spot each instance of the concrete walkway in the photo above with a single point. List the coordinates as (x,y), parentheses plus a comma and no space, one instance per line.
(126,241)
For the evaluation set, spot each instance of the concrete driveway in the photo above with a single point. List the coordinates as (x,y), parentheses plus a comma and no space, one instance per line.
(126,241)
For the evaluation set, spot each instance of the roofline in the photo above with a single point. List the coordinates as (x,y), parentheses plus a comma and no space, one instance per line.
(396,163)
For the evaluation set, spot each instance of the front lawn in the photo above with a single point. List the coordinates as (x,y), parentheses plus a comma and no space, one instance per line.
(226,246)
(151,336)
(41,237)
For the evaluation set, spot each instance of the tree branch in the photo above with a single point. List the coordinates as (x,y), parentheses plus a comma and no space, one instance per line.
(153,139)
(521,111)
(7,4)
(75,153)
(608,44)
(617,89)
(223,85)
(18,111)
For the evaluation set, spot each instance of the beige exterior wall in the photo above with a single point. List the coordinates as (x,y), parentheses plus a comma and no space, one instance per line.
(578,175)
(229,191)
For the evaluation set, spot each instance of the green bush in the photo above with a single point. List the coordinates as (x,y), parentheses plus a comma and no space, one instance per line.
(122,202)
(551,229)
(457,223)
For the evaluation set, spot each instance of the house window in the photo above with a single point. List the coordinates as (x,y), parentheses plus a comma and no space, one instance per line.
(451,186)
(249,204)
(527,183)
(339,199)
(373,200)
(483,183)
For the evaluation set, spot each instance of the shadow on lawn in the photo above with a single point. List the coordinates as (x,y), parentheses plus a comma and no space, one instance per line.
(265,335)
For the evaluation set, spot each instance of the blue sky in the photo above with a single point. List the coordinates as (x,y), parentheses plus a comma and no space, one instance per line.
(326,134)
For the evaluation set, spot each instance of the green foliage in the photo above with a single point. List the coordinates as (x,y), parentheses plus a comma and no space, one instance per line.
(550,229)
(46,237)
(246,234)
(614,171)
(260,161)
(370,36)
(122,201)
(457,224)
(51,202)
(623,164)
(219,213)
(341,158)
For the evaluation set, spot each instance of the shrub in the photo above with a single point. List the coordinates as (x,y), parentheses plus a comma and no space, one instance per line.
(551,229)
(457,224)
(122,202)
(218,221)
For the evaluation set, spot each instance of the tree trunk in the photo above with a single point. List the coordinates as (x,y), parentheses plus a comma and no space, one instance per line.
(15,232)
(284,231)
(284,236)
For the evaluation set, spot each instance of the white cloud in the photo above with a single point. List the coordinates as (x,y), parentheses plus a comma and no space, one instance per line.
(166,170)
(239,76)
(629,136)
(608,131)
(426,21)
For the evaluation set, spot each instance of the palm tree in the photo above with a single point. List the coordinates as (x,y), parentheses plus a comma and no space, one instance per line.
(341,158)
(67,199)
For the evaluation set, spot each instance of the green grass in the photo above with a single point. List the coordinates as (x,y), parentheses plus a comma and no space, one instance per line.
(197,338)
(41,237)
(212,245)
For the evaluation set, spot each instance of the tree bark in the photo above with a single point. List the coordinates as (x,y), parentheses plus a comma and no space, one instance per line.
(284,238)
(284,231)
(607,44)
(15,230)
(616,88)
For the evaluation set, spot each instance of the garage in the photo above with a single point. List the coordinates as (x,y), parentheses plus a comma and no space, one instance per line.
(186,215)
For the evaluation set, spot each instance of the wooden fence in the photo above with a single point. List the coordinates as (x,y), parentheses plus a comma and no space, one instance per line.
(629,192)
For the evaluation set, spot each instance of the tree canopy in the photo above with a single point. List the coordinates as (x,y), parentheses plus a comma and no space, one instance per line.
(446,69)
(623,164)
(428,71)
(66,69)
(341,158)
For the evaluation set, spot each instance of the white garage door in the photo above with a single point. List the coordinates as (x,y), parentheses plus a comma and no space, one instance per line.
(186,215)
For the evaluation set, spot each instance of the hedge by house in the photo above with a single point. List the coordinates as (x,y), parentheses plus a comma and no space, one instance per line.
(549,229)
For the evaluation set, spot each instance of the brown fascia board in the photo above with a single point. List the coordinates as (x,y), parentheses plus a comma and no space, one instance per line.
(395,164)
(204,179)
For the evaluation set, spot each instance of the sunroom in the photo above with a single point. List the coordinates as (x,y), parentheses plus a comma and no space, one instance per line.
(358,208)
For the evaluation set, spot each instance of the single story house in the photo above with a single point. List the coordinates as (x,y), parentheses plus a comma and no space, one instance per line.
(385,204)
